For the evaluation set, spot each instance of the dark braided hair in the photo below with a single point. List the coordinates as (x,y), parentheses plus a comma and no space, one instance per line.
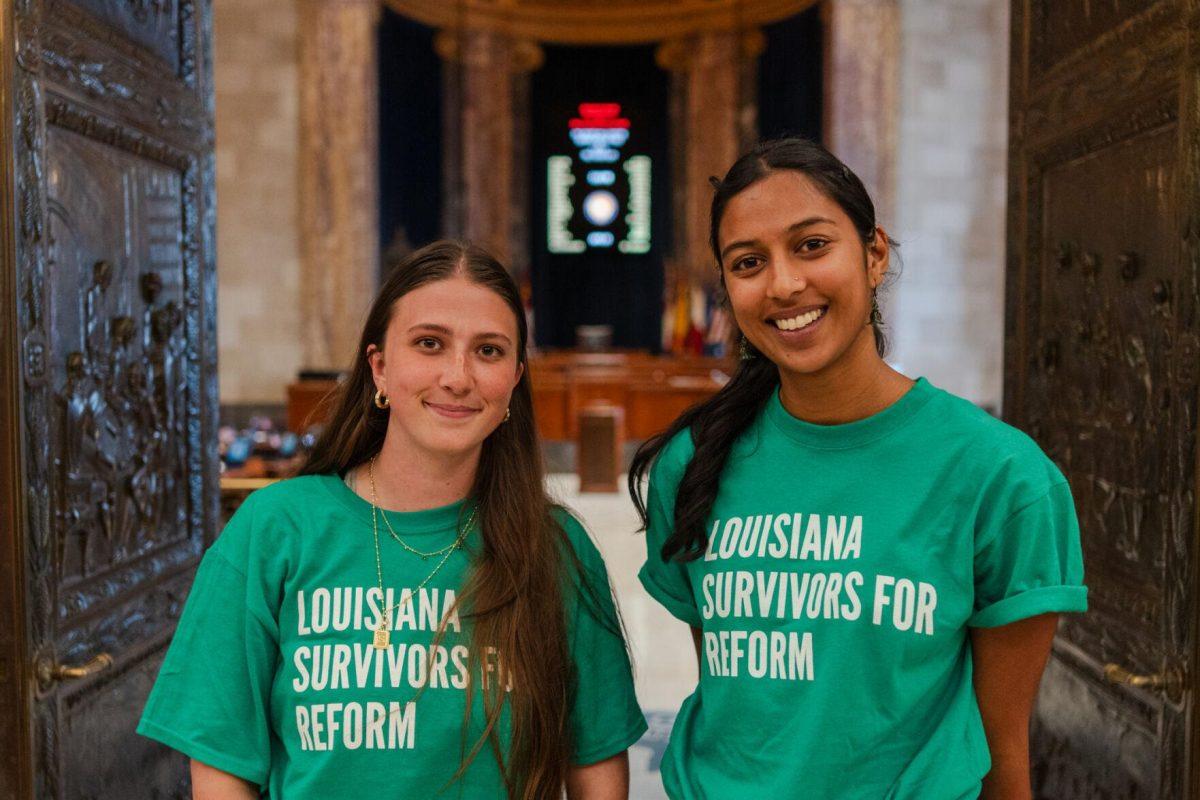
(716,423)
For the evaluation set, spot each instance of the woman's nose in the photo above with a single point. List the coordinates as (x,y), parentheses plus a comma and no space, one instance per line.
(456,376)
(787,279)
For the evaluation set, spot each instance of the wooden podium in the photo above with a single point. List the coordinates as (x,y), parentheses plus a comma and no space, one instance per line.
(601,447)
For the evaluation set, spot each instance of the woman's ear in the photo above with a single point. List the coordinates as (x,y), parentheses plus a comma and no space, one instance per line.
(375,360)
(878,257)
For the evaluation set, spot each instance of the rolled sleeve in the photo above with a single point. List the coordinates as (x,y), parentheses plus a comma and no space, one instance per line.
(667,581)
(1031,563)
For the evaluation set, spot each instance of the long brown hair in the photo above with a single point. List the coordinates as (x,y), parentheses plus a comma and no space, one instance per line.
(514,595)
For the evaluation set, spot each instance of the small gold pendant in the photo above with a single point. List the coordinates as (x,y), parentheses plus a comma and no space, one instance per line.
(381,639)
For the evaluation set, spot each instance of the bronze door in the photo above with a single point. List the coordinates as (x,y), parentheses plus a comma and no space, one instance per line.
(1101,368)
(108,377)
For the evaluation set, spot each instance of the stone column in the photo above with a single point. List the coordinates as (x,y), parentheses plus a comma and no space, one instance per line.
(862,84)
(338,175)
(712,71)
(489,71)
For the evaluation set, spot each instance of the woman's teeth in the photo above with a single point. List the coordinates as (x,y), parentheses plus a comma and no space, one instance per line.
(802,321)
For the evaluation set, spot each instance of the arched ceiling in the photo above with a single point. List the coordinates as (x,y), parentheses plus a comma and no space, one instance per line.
(597,21)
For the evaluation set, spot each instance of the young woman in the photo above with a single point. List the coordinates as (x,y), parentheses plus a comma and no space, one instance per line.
(411,617)
(871,566)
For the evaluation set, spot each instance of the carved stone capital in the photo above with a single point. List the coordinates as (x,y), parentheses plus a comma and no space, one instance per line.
(674,55)
(527,56)
(488,50)
(754,43)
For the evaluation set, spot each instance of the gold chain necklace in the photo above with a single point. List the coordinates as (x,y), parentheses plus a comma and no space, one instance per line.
(381,639)
(375,502)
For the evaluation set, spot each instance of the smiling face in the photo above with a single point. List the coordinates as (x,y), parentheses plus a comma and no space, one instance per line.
(798,275)
(448,366)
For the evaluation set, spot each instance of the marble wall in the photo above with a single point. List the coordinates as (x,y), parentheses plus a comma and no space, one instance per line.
(946,310)
(259,335)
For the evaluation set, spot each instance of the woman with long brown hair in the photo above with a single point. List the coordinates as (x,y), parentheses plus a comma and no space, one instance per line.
(412,616)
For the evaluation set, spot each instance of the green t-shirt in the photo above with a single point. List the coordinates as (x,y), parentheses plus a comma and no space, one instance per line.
(845,567)
(272,675)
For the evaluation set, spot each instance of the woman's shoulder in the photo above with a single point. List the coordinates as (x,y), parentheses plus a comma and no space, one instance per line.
(576,533)
(673,458)
(269,512)
(580,539)
(1003,451)
(302,488)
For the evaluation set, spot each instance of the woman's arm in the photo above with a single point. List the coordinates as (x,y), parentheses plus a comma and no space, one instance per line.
(1009,661)
(210,783)
(604,780)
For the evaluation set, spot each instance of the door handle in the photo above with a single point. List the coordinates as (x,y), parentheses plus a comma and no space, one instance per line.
(48,672)
(1170,679)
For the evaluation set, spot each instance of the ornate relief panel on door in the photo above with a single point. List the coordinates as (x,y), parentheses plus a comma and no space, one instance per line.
(157,25)
(115,229)
(123,401)
(1106,398)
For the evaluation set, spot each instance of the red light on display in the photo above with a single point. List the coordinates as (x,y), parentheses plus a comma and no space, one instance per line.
(599,115)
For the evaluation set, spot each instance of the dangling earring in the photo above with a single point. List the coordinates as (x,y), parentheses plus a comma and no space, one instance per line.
(876,318)
(507,415)
(746,351)
(381,399)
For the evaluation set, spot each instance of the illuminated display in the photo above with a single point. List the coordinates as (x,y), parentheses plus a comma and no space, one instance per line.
(599,196)
(601,177)
(559,181)
(600,208)
(637,168)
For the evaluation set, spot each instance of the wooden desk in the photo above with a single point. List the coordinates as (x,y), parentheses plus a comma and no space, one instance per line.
(652,390)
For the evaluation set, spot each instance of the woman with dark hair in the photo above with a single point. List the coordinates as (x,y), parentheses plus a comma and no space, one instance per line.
(872,567)
(412,616)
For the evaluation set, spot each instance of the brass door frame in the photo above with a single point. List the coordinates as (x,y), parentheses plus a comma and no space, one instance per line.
(15,773)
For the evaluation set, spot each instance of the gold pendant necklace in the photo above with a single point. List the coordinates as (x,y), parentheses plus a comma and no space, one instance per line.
(381,638)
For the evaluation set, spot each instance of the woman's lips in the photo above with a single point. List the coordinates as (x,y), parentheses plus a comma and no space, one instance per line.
(451,411)
(800,336)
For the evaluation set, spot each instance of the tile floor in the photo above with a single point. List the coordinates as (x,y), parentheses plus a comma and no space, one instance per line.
(663,655)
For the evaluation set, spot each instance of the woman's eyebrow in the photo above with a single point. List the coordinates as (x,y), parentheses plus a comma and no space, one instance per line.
(442,329)
(735,245)
(804,223)
(495,335)
(430,326)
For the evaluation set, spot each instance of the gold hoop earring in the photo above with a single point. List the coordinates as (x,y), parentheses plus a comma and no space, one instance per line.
(381,399)
(507,414)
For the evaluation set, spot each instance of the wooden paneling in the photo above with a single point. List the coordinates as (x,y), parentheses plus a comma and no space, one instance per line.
(651,390)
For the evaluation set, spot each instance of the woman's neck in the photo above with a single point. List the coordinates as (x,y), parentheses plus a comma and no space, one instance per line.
(408,480)
(854,387)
